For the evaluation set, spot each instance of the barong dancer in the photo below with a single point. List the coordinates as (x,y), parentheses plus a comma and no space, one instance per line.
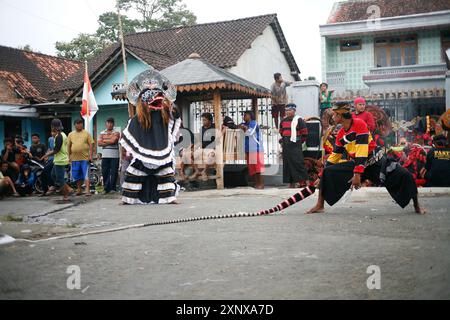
(150,138)
(362,163)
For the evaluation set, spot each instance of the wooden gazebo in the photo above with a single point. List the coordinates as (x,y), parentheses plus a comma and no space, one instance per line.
(198,80)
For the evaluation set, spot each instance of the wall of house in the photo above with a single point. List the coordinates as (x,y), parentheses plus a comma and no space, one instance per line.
(29,126)
(262,60)
(358,63)
(103,91)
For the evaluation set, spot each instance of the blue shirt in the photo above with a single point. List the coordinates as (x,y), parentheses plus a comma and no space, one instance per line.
(51,146)
(253,137)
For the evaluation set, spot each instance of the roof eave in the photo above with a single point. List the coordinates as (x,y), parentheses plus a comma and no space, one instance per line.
(416,21)
(295,70)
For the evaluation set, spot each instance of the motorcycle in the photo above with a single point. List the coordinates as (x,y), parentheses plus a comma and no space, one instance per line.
(37,168)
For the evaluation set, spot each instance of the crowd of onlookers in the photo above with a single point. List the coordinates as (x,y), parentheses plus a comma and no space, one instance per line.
(19,164)
(16,176)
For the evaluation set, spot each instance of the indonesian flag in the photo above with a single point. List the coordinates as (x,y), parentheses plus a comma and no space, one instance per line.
(89,107)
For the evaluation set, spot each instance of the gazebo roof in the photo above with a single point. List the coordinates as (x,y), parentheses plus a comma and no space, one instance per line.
(195,75)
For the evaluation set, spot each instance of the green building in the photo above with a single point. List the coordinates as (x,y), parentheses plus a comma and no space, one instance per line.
(391,52)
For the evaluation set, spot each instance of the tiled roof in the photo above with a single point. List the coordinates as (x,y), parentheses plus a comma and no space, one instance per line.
(34,75)
(220,43)
(195,73)
(356,10)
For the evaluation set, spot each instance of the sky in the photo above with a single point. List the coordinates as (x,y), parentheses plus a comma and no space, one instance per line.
(41,23)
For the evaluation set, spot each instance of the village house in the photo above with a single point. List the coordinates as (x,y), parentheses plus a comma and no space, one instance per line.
(390,51)
(26,82)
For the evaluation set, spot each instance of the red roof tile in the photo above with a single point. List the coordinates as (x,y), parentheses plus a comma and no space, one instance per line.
(34,75)
(356,10)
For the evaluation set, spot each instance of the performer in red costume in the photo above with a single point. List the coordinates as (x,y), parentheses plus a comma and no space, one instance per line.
(362,163)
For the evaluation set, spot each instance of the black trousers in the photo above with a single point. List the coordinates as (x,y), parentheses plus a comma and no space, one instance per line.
(110,170)
(336,181)
(293,163)
(46,177)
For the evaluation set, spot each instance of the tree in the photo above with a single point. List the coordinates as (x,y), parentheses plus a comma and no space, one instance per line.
(82,48)
(157,14)
(154,14)
(27,47)
(108,30)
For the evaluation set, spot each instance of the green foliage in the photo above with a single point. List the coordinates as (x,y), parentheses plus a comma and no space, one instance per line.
(153,15)
(108,30)
(81,48)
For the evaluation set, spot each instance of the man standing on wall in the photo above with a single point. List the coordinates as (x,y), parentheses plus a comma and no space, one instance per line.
(109,141)
(279,98)
(80,148)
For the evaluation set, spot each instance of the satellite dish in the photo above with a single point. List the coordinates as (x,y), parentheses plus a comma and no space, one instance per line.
(5,239)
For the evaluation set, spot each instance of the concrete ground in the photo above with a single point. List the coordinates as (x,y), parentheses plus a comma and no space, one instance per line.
(289,256)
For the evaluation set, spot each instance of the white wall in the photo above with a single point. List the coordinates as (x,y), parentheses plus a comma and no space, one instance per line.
(259,63)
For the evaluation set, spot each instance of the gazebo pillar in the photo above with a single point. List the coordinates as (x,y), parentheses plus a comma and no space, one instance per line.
(219,140)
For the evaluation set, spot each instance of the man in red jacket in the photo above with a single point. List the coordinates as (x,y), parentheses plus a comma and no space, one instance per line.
(361,113)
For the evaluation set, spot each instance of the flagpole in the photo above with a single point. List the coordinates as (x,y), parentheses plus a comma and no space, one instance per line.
(88,113)
(124,56)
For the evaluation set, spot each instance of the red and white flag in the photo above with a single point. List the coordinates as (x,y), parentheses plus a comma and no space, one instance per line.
(89,107)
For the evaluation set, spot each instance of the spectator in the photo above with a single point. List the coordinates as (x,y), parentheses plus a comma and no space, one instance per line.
(206,155)
(109,141)
(6,183)
(437,169)
(23,152)
(254,149)
(37,149)
(279,98)
(8,171)
(361,113)
(325,98)
(26,181)
(61,158)
(294,133)
(80,148)
(47,183)
(9,154)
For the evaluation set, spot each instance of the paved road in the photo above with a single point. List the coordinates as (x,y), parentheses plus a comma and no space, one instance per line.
(293,256)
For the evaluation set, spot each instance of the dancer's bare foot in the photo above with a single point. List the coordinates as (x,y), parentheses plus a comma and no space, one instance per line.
(175,202)
(420,210)
(317,209)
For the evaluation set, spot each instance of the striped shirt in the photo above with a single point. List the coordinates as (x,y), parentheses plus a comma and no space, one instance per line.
(110,151)
(302,130)
(358,143)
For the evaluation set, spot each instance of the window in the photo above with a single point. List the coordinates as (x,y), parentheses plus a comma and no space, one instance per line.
(396,51)
(381,57)
(350,45)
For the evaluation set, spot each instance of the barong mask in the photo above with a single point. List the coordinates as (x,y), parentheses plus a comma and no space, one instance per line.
(153,88)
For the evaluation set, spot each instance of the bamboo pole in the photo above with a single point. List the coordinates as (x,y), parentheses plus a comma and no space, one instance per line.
(219,139)
(88,113)
(124,57)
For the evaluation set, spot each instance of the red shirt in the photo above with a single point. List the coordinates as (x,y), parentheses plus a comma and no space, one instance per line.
(367,117)
(357,142)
